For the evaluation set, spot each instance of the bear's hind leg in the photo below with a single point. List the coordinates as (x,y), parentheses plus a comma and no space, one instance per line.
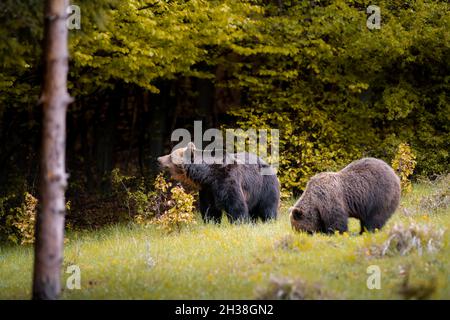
(213,215)
(267,213)
(235,206)
(370,225)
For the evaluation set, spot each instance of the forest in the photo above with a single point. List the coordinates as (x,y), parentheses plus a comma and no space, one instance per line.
(335,89)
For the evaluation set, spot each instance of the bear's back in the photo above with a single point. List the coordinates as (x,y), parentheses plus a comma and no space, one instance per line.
(371,172)
(365,164)
(371,185)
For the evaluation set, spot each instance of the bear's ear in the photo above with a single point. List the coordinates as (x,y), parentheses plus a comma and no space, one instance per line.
(188,154)
(190,146)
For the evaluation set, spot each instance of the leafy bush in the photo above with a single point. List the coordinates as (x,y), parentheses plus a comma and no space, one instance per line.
(131,192)
(170,207)
(161,196)
(19,221)
(404,163)
(159,200)
(180,212)
(333,102)
(440,198)
(307,146)
(405,239)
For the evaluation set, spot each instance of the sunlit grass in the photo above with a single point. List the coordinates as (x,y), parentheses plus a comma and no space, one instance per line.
(233,261)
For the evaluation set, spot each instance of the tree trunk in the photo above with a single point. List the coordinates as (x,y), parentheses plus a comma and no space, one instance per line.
(55,98)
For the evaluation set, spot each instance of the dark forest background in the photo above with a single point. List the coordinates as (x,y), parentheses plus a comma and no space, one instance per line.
(335,89)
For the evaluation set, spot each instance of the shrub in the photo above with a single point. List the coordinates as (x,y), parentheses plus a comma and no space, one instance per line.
(440,198)
(167,206)
(131,192)
(404,163)
(304,144)
(334,108)
(20,221)
(404,240)
(180,212)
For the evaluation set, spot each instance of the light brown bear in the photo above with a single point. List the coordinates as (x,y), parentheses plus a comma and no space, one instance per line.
(367,189)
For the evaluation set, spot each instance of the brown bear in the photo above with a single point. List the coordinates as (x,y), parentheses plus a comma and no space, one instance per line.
(231,182)
(367,189)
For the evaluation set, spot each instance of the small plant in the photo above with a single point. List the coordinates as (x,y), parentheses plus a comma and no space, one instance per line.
(440,198)
(160,197)
(17,221)
(169,207)
(22,219)
(292,289)
(404,240)
(180,212)
(5,229)
(404,163)
(130,192)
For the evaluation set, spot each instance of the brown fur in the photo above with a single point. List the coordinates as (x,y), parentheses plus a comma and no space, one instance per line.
(232,184)
(173,163)
(367,189)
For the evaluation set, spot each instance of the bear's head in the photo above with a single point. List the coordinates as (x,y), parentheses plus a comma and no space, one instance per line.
(322,193)
(305,215)
(305,219)
(175,163)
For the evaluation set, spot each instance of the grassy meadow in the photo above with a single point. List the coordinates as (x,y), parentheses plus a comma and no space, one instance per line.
(253,261)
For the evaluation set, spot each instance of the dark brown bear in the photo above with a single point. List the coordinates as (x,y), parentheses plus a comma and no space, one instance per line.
(234,184)
(366,189)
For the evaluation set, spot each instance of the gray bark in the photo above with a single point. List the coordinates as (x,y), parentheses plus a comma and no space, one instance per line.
(55,99)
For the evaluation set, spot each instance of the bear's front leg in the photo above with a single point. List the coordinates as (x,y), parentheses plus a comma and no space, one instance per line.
(371,223)
(208,209)
(335,220)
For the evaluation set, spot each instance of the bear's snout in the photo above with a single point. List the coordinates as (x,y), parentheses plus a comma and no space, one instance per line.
(163,161)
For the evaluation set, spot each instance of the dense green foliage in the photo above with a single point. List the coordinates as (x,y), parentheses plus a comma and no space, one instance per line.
(340,91)
(138,69)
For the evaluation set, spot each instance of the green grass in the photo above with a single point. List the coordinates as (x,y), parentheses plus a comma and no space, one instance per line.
(235,261)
